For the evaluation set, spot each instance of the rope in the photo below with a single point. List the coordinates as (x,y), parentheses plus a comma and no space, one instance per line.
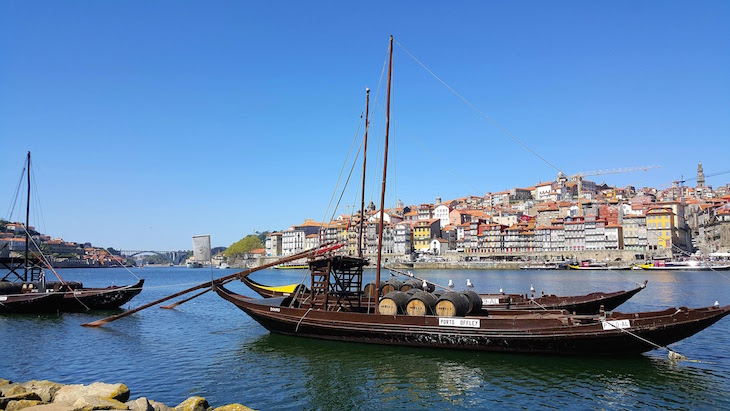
(302,319)
(673,355)
(342,170)
(479,111)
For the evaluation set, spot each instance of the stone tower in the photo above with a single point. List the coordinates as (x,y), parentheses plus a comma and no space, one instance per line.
(700,176)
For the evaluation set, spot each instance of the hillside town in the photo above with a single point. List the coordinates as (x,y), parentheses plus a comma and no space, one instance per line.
(62,253)
(569,218)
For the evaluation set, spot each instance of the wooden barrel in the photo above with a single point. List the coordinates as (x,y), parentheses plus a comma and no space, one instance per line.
(452,304)
(391,285)
(411,284)
(475,301)
(369,289)
(420,304)
(393,303)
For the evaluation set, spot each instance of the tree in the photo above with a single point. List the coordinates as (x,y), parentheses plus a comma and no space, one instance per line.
(243,246)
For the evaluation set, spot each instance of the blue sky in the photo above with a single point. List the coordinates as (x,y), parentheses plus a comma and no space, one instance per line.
(150,122)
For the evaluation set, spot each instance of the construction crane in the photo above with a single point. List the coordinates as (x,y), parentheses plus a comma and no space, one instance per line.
(579,178)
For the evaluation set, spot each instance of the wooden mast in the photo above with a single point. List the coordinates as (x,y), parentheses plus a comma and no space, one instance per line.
(385,170)
(27,218)
(364,162)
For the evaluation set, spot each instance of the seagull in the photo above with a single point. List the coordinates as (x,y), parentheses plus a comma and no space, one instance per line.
(501,291)
(717,303)
(532,289)
(425,285)
(451,284)
(469,284)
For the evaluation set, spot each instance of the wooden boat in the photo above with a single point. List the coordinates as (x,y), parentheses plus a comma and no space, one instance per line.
(29,292)
(535,331)
(77,298)
(336,309)
(268,291)
(580,304)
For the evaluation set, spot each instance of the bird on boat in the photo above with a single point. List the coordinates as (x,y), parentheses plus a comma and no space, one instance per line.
(451,284)
(469,284)
(532,289)
(425,285)
(501,291)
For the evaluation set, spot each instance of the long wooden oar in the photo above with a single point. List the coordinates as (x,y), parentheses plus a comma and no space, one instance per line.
(173,305)
(319,250)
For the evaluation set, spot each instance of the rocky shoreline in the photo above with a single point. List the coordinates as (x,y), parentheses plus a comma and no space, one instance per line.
(51,396)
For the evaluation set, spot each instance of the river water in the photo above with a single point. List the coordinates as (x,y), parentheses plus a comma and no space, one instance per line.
(208,347)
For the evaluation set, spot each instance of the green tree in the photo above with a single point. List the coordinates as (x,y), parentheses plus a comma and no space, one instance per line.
(243,246)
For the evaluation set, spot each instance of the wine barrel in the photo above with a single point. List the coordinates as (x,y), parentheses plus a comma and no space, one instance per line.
(475,301)
(369,289)
(393,303)
(452,304)
(391,285)
(411,284)
(420,304)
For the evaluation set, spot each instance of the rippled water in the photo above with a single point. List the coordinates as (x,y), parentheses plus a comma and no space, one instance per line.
(208,347)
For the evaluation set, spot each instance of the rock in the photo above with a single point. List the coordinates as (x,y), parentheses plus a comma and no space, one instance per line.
(193,404)
(140,404)
(69,394)
(99,403)
(233,407)
(158,406)
(45,389)
(20,404)
(25,395)
(14,390)
(55,407)
(3,383)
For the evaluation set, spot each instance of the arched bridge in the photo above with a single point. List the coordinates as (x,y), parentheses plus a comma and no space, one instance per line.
(175,257)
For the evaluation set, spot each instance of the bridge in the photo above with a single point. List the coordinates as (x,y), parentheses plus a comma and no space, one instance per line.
(174,257)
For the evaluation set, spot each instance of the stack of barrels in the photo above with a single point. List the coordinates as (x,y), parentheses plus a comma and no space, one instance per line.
(410,298)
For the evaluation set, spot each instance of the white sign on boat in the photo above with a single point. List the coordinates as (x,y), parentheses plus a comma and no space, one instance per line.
(617,324)
(459,322)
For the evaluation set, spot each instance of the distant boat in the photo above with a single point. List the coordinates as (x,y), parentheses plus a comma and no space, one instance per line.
(194,264)
(691,265)
(291,266)
(223,266)
(591,265)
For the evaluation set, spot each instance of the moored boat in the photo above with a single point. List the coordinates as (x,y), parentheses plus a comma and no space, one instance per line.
(551,332)
(592,265)
(691,265)
(29,292)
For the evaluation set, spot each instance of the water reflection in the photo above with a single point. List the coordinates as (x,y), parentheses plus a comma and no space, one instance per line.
(337,375)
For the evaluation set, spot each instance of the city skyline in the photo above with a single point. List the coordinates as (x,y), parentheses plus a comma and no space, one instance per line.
(151,123)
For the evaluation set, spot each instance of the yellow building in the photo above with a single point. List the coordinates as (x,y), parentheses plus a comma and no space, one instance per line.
(423,232)
(660,229)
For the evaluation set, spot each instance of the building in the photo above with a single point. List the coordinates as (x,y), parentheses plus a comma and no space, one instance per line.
(634,232)
(273,244)
(659,229)
(423,232)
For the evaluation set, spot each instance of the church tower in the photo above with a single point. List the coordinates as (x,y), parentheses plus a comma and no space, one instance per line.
(700,176)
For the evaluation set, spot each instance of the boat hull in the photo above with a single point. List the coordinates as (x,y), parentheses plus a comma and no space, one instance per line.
(30,303)
(108,298)
(544,332)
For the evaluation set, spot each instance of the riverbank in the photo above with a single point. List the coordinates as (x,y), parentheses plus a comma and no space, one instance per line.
(51,396)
